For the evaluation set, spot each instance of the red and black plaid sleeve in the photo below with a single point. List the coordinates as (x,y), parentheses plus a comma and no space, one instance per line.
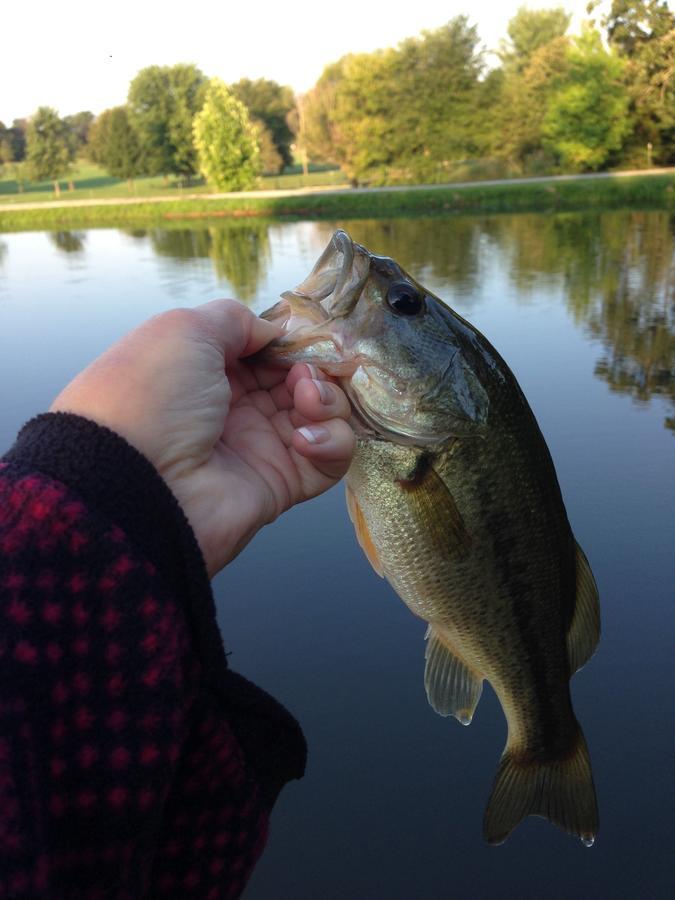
(133,762)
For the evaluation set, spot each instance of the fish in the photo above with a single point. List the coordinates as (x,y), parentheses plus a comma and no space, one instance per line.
(454,498)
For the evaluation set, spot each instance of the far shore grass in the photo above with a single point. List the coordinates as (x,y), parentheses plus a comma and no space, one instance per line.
(654,191)
(90,182)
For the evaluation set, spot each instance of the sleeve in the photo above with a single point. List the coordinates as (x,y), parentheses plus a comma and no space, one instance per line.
(133,762)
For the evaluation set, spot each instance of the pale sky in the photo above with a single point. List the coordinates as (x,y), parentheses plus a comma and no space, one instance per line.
(79,54)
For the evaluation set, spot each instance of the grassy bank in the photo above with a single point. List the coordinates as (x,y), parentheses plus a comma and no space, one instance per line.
(649,191)
(90,182)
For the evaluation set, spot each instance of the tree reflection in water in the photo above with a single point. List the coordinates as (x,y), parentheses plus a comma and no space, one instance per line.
(240,252)
(68,241)
(616,271)
(618,274)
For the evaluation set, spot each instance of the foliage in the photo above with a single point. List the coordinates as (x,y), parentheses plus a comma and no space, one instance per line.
(49,151)
(585,120)
(401,115)
(530,30)
(229,157)
(533,62)
(13,141)
(643,33)
(315,115)
(115,145)
(271,161)
(271,104)
(78,127)
(163,101)
(13,149)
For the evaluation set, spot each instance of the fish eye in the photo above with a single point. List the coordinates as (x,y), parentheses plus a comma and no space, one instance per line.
(404,299)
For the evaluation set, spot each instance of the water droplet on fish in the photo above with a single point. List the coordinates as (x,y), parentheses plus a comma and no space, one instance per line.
(588,840)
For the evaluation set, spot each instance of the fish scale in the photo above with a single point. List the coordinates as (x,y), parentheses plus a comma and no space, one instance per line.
(455,501)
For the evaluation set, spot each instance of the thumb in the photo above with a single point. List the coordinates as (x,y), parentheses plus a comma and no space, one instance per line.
(237,331)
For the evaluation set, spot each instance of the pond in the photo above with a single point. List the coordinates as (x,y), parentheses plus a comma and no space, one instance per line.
(581,308)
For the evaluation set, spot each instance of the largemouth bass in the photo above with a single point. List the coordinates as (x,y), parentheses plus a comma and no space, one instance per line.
(455,501)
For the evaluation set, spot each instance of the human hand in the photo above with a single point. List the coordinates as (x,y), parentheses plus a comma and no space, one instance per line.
(237,442)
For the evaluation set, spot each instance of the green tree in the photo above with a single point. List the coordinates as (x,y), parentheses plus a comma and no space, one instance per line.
(534,58)
(529,30)
(315,117)
(586,119)
(162,103)
(17,138)
(271,162)
(6,155)
(49,151)
(643,34)
(228,153)
(522,103)
(114,144)
(78,126)
(271,104)
(405,114)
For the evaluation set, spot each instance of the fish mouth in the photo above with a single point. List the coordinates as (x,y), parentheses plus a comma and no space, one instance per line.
(310,337)
(371,422)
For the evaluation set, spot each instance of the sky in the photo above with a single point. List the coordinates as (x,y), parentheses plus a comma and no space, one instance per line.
(78,55)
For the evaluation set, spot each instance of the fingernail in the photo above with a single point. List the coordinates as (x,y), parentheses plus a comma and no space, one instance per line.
(315,434)
(325,391)
(313,371)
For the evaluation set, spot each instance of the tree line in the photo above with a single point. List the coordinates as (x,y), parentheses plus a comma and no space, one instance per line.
(427,110)
(176,122)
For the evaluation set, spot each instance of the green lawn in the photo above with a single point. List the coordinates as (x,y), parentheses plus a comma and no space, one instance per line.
(92,182)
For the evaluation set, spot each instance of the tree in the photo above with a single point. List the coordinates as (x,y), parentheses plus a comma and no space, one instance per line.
(271,162)
(529,30)
(162,103)
(271,104)
(522,104)
(533,60)
(5,146)
(78,125)
(115,145)
(643,34)
(404,114)
(228,153)
(16,135)
(586,120)
(315,117)
(49,152)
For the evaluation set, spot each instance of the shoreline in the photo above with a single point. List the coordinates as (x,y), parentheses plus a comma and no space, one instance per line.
(652,189)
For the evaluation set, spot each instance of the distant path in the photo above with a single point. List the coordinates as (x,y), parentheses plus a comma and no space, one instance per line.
(327,189)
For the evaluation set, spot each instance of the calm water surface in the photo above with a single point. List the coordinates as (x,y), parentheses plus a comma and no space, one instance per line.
(581,307)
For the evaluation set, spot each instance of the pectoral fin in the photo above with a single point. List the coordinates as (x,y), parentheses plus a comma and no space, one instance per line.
(362,533)
(453,689)
(584,631)
(435,509)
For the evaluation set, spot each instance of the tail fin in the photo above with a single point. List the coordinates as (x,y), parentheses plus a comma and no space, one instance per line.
(560,790)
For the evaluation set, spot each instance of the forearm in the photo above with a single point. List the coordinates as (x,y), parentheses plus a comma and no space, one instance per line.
(125,737)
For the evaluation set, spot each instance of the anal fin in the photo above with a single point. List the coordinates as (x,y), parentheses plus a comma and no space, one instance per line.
(362,533)
(453,688)
(584,630)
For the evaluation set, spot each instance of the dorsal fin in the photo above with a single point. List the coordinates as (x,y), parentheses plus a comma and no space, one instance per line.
(362,533)
(584,630)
